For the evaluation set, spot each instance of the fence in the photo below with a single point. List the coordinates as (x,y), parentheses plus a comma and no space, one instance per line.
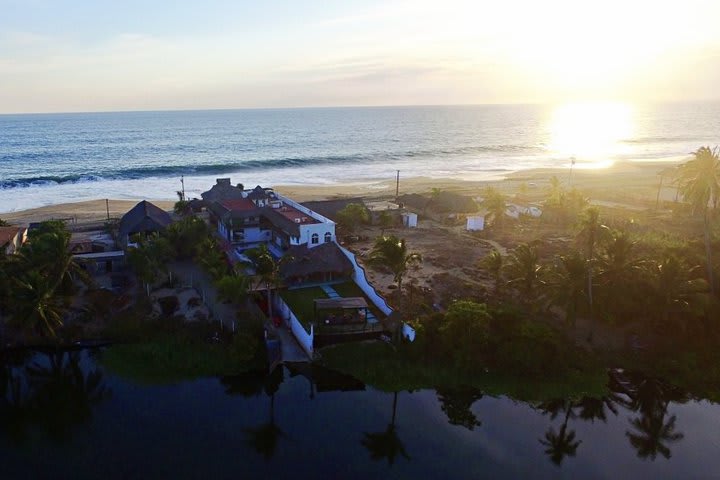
(304,338)
(361,281)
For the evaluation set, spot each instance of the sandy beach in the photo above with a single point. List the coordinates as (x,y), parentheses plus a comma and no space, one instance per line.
(628,182)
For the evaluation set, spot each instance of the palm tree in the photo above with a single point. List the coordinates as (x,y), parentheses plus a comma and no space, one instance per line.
(675,288)
(524,271)
(35,303)
(267,269)
(565,284)
(495,203)
(619,273)
(233,288)
(385,444)
(392,253)
(494,263)
(591,233)
(699,181)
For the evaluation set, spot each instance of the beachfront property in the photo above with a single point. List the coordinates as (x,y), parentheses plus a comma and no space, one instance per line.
(316,266)
(12,238)
(247,218)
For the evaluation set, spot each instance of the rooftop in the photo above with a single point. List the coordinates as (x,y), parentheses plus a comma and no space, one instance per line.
(295,215)
(7,234)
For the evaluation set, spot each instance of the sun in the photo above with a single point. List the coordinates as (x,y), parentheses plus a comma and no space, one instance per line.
(591,133)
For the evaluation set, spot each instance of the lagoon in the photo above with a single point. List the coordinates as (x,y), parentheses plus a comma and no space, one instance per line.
(65,416)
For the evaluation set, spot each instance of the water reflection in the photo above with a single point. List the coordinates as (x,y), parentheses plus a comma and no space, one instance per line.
(456,403)
(562,443)
(651,432)
(51,391)
(385,444)
(264,438)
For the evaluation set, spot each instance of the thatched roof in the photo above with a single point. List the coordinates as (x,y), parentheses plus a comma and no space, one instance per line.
(144,217)
(222,190)
(325,258)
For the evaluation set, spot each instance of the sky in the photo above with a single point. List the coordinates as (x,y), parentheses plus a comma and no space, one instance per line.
(105,55)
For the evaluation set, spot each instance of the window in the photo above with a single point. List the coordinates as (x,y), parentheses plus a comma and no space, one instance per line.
(328,237)
(315,239)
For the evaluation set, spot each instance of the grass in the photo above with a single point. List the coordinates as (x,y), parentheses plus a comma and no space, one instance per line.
(169,359)
(300,302)
(380,365)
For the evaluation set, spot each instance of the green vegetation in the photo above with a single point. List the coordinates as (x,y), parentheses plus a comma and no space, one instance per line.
(300,301)
(172,358)
(391,369)
(391,253)
(38,282)
(352,216)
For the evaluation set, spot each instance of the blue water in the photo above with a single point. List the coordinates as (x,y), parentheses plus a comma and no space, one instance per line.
(62,157)
(62,415)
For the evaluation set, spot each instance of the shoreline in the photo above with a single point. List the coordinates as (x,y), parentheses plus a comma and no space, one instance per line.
(629,181)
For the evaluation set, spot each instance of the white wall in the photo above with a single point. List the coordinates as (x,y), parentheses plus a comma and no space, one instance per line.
(304,338)
(361,281)
(321,229)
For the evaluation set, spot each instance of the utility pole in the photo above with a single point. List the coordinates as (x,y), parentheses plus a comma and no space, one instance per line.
(572,164)
(182,182)
(397,185)
(107,209)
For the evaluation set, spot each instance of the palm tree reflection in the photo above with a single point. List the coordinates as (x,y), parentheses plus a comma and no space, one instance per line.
(385,444)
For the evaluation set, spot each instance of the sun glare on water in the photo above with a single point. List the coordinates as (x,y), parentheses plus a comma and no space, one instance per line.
(592,133)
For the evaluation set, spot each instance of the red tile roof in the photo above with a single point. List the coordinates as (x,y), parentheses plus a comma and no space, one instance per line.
(7,234)
(240,204)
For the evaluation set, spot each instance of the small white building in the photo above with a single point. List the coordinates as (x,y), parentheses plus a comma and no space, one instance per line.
(475,223)
(409,220)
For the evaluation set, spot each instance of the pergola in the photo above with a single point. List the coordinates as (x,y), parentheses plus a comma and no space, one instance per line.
(342,303)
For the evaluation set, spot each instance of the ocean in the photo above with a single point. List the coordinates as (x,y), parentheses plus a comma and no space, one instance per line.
(55,158)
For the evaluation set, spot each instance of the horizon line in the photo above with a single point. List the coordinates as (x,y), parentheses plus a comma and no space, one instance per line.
(329,107)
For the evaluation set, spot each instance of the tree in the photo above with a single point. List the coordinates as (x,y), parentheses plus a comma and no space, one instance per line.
(619,274)
(182,208)
(233,288)
(267,269)
(353,215)
(385,220)
(495,203)
(699,181)
(465,332)
(524,271)
(494,263)
(151,255)
(44,273)
(591,232)
(35,304)
(3,223)
(392,253)
(565,284)
(675,288)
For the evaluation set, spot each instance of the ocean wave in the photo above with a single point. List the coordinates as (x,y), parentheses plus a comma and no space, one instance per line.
(136,173)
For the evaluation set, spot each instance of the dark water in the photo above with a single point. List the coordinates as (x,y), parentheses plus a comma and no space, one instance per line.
(69,157)
(62,416)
